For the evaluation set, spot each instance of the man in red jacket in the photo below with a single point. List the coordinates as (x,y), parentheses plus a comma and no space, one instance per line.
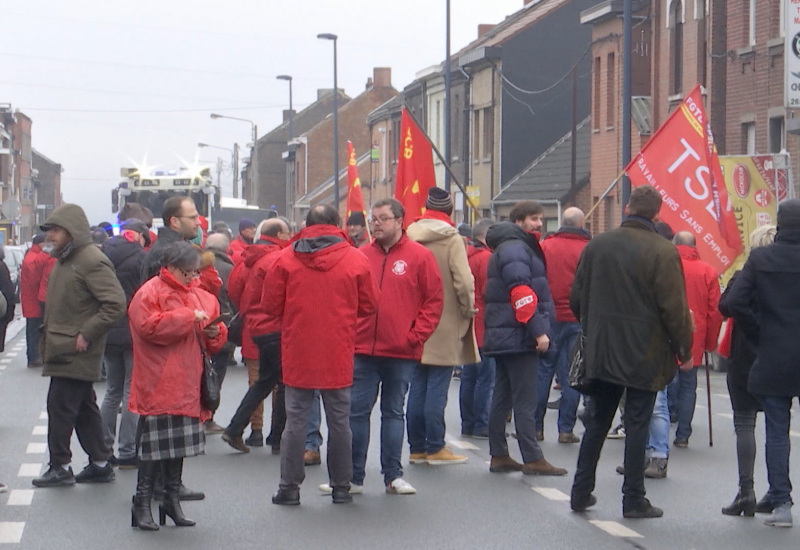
(247,233)
(477,379)
(702,293)
(30,278)
(562,252)
(389,342)
(319,288)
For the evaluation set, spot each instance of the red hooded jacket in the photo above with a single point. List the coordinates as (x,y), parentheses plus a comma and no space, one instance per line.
(30,278)
(49,262)
(320,286)
(166,350)
(562,252)
(411,301)
(702,294)
(256,321)
(237,284)
(478,258)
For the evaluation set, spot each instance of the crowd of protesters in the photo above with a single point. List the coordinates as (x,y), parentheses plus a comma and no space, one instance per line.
(385,308)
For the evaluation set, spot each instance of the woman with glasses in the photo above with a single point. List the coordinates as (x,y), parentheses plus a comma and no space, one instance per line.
(170,320)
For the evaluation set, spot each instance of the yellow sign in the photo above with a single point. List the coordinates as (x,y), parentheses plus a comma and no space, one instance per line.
(474,193)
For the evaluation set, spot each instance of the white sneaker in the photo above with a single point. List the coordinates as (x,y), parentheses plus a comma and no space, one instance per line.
(400,487)
(355,489)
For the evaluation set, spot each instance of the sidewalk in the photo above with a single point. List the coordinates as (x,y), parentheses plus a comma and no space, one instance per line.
(15,327)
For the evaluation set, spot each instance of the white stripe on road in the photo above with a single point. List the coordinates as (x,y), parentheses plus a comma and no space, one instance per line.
(30,469)
(43,416)
(12,354)
(5,361)
(462,444)
(36,448)
(11,531)
(39,430)
(615,529)
(551,494)
(20,497)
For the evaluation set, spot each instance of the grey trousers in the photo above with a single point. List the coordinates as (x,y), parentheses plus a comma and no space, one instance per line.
(119,365)
(340,438)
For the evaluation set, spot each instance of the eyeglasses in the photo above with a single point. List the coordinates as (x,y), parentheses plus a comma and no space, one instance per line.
(190,273)
(382,219)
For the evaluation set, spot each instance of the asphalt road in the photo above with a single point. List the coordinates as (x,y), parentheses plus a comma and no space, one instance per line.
(461,506)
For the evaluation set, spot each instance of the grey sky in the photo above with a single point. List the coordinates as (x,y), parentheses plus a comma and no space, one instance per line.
(107,83)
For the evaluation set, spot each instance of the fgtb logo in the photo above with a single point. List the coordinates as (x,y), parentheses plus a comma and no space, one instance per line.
(399,267)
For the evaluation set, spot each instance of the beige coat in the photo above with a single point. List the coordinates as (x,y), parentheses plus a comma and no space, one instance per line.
(453,343)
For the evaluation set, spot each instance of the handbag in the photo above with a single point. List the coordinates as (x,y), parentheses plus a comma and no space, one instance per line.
(209,382)
(578,378)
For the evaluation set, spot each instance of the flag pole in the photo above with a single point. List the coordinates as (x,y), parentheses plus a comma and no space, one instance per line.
(453,176)
(605,193)
(708,394)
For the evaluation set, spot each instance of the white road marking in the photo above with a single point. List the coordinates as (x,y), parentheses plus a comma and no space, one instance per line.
(12,354)
(615,529)
(43,416)
(36,448)
(11,531)
(462,444)
(551,494)
(5,361)
(20,497)
(30,469)
(2,367)
(39,430)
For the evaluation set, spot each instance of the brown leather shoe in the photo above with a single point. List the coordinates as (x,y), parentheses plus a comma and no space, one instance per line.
(311,458)
(568,437)
(542,468)
(504,464)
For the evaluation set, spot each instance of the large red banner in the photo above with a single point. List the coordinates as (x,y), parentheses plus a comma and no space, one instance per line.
(415,173)
(681,162)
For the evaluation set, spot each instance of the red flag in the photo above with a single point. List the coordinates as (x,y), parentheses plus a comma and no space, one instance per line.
(355,200)
(415,173)
(680,160)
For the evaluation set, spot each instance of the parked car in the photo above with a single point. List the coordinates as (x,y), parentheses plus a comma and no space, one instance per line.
(13,260)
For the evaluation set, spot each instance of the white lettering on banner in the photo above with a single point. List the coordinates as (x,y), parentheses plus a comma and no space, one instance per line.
(716,249)
(668,201)
(691,222)
(688,151)
(695,110)
(523,302)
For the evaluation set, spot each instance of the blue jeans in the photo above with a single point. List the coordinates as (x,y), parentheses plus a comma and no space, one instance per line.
(658,443)
(313,435)
(564,335)
(393,377)
(119,364)
(32,325)
(683,390)
(475,396)
(778,417)
(427,400)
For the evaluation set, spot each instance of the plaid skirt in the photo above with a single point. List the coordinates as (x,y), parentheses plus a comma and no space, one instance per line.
(169,436)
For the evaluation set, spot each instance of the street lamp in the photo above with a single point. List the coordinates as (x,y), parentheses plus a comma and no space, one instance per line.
(329,36)
(289,182)
(254,190)
(234,163)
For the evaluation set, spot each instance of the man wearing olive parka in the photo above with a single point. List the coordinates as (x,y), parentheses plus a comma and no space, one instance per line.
(84,299)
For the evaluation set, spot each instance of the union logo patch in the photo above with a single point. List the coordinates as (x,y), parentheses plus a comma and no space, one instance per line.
(399,267)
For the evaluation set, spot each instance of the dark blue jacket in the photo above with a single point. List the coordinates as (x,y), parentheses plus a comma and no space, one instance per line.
(127,258)
(517,260)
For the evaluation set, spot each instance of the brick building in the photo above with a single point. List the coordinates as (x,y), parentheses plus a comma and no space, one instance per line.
(311,157)
(47,187)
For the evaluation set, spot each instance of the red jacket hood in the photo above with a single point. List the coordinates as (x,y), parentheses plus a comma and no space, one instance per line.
(321,247)
(254,252)
(688,252)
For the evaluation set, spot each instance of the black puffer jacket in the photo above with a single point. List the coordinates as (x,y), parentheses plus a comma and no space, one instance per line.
(516,260)
(127,258)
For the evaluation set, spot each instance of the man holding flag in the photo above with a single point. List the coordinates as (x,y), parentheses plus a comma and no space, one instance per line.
(356,213)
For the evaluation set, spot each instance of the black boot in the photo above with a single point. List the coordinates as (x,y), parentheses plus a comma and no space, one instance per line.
(173,472)
(765,506)
(141,514)
(744,503)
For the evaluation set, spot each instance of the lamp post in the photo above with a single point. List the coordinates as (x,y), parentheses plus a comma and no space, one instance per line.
(329,36)
(289,182)
(254,155)
(234,163)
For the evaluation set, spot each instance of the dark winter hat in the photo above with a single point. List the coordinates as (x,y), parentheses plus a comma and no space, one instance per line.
(38,238)
(357,218)
(439,199)
(246,223)
(789,214)
(134,224)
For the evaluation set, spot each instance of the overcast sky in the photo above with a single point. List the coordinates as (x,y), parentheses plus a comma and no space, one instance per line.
(109,84)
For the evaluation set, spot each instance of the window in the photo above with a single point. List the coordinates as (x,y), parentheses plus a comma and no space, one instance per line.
(596,109)
(749,138)
(776,135)
(610,97)
(488,133)
(476,134)
(676,40)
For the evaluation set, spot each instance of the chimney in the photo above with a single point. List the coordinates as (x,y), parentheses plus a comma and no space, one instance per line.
(287,114)
(484,28)
(323,93)
(369,83)
(382,77)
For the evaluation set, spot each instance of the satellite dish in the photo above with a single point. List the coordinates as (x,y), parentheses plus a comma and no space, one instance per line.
(11,209)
